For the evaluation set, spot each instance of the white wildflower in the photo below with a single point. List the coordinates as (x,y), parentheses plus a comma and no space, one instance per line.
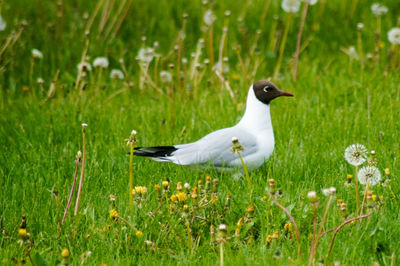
(394,36)
(379,9)
(165,76)
(84,66)
(209,17)
(186,186)
(100,62)
(145,55)
(84,125)
(369,175)
(311,2)
(329,191)
(40,80)
(116,74)
(3,24)
(37,54)
(356,154)
(291,6)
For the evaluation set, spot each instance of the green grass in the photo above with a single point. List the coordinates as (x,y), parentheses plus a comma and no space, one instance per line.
(336,103)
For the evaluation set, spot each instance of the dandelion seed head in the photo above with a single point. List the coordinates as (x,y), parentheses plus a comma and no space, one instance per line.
(312,196)
(3,24)
(209,17)
(356,154)
(40,80)
(369,175)
(165,77)
(360,26)
(84,125)
(117,74)
(100,62)
(84,66)
(133,132)
(37,54)
(379,9)
(311,2)
(394,36)
(186,186)
(145,55)
(291,6)
(222,227)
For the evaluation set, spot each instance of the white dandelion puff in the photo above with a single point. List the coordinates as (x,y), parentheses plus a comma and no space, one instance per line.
(3,24)
(329,191)
(291,6)
(379,9)
(37,54)
(394,36)
(356,154)
(145,55)
(165,77)
(84,66)
(116,74)
(100,62)
(209,17)
(369,175)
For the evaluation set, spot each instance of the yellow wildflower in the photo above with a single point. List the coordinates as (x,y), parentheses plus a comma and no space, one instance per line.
(22,233)
(173,198)
(373,197)
(157,188)
(179,186)
(137,190)
(181,196)
(264,197)
(185,207)
(275,235)
(288,227)
(250,209)
(139,233)
(349,176)
(114,214)
(387,171)
(269,239)
(143,190)
(65,253)
(165,184)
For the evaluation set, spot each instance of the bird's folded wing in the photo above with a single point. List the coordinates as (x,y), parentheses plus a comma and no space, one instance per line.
(215,148)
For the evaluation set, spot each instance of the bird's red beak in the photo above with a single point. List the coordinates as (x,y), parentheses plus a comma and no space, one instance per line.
(284,93)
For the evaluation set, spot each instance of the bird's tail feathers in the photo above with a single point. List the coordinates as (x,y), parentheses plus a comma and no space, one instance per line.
(157,153)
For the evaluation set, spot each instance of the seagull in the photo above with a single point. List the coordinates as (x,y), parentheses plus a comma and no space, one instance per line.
(254,133)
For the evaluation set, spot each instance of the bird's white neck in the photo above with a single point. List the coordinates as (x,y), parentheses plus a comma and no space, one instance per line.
(257,115)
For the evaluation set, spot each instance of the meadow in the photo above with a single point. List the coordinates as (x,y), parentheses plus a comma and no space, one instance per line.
(174,71)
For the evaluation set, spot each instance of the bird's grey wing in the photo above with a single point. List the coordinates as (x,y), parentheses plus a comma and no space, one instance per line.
(215,148)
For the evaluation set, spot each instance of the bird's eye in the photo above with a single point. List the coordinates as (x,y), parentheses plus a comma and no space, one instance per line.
(266,88)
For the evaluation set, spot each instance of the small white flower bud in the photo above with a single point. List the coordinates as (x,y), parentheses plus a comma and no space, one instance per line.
(84,125)
(312,196)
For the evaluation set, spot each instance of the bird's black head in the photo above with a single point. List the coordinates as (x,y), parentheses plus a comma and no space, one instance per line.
(266,91)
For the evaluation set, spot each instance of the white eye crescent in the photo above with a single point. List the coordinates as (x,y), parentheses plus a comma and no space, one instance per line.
(266,88)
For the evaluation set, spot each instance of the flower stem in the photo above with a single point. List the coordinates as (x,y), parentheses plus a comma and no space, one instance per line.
(82,171)
(282,46)
(72,191)
(247,177)
(357,200)
(303,20)
(364,198)
(131,178)
(221,253)
(292,220)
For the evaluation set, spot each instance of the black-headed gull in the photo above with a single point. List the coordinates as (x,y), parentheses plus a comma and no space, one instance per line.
(254,132)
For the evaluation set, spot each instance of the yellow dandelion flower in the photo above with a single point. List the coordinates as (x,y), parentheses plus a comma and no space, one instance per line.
(373,197)
(22,233)
(165,184)
(275,235)
(250,209)
(269,239)
(65,253)
(181,196)
(138,190)
(173,198)
(179,186)
(157,188)
(113,214)
(339,202)
(349,176)
(208,178)
(240,222)
(237,231)
(264,198)
(194,195)
(143,190)
(185,207)
(387,171)
(139,233)
(288,227)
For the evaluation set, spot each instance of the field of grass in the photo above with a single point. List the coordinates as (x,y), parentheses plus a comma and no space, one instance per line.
(343,96)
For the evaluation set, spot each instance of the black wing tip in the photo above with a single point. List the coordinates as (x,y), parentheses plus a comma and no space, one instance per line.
(155,152)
